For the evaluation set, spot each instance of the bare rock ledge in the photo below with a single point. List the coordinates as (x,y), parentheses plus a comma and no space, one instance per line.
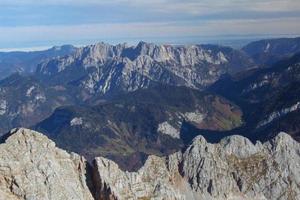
(32,168)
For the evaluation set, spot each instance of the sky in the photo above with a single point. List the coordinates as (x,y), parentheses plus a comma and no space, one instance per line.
(34,24)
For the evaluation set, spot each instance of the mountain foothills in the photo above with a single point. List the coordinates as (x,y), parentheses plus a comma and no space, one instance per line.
(145,122)
(235,168)
(152,122)
(24,101)
(269,98)
(268,52)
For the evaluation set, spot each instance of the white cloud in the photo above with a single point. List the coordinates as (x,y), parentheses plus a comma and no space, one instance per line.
(176,27)
(146,30)
(186,6)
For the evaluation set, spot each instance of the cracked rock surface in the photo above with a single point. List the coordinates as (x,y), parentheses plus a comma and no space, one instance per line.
(232,169)
(32,168)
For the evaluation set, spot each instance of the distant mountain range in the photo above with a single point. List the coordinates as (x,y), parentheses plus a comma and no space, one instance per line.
(107,70)
(263,53)
(268,52)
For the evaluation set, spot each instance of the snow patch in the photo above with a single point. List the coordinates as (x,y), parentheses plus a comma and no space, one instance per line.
(40,97)
(267,48)
(194,117)
(266,80)
(3,107)
(168,129)
(77,121)
(221,58)
(29,91)
(108,81)
(278,114)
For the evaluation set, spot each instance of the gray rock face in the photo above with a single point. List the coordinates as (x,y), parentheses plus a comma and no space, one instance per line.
(108,68)
(233,169)
(153,181)
(32,168)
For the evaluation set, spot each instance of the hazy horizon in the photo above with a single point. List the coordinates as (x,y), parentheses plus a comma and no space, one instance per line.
(28,24)
(237,42)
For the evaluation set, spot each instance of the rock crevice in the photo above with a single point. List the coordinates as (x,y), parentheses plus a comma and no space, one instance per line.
(232,169)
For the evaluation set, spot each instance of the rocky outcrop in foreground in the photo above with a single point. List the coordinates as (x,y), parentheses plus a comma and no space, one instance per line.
(233,169)
(31,167)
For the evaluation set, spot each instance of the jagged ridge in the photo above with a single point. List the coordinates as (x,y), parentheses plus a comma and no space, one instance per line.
(232,169)
(107,69)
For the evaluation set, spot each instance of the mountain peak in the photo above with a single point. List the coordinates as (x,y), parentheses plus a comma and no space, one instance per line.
(66,47)
(142,47)
(34,168)
(209,171)
(143,44)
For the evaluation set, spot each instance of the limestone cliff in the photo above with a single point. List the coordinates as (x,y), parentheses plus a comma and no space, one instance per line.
(31,167)
(233,169)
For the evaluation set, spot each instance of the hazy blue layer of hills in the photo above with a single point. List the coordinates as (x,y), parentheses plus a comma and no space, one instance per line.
(267,52)
(26,62)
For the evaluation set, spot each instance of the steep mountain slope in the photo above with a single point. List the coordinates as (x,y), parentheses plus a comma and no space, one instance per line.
(145,122)
(24,101)
(105,69)
(232,169)
(26,62)
(270,98)
(268,52)
(33,168)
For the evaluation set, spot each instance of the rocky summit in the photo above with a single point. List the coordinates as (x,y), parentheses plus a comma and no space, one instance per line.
(232,169)
(31,167)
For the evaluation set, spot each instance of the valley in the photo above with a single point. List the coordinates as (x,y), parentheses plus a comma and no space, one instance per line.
(153,118)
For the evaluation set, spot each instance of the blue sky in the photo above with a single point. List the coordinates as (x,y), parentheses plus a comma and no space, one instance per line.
(36,23)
